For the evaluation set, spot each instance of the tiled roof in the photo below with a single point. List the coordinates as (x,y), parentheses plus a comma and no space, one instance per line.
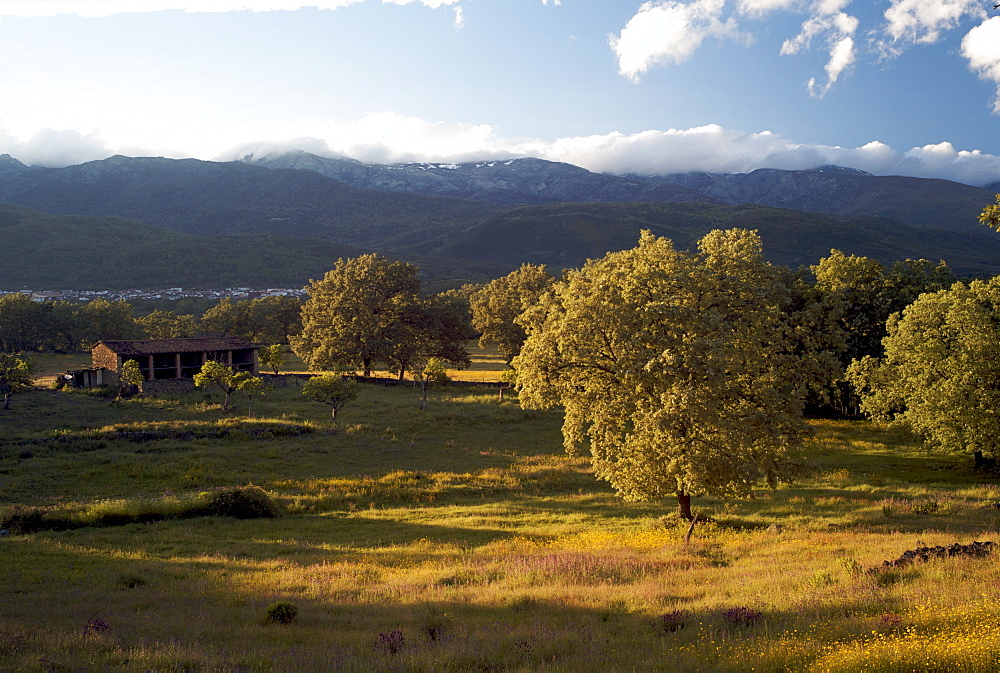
(192,345)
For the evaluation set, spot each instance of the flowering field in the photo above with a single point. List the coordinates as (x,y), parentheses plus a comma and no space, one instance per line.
(461,538)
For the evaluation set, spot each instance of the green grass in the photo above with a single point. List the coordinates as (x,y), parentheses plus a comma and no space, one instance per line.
(462,538)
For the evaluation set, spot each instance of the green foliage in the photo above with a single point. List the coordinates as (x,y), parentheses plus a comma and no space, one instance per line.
(335,390)
(251,386)
(942,359)
(105,320)
(991,215)
(215,374)
(496,306)
(673,368)
(435,372)
(272,357)
(161,324)
(16,374)
(248,502)
(129,377)
(368,310)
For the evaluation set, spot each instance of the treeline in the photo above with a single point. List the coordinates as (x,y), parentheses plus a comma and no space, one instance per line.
(370,311)
(28,326)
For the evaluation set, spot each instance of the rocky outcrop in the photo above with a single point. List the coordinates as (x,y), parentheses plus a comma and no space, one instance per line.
(923,554)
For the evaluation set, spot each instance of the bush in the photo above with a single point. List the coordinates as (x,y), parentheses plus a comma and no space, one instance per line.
(282,613)
(248,502)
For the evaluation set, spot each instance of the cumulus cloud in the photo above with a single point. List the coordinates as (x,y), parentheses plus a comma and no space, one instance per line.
(668,32)
(393,138)
(922,21)
(981,47)
(102,8)
(390,138)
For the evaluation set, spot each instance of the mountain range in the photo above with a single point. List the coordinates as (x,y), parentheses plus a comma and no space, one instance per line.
(462,222)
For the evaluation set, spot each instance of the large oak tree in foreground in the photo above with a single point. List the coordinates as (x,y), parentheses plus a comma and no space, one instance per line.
(672,367)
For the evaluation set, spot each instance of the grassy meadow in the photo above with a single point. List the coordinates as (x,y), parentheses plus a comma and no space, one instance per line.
(463,538)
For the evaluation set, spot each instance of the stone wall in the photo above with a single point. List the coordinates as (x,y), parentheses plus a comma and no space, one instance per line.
(167,386)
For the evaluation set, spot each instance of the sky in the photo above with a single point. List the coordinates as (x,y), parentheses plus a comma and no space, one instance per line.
(893,87)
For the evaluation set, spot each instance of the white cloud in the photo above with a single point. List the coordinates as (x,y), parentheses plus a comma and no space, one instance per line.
(49,147)
(839,29)
(668,32)
(922,21)
(761,7)
(459,22)
(102,8)
(714,149)
(981,47)
(389,138)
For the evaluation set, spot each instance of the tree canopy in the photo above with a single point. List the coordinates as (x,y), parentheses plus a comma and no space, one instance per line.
(16,374)
(334,390)
(674,368)
(496,306)
(368,310)
(940,370)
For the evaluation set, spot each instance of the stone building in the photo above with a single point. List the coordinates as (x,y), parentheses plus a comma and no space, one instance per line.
(160,359)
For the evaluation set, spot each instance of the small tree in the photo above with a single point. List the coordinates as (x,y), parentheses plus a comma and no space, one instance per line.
(432,374)
(508,378)
(129,377)
(219,375)
(16,374)
(272,357)
(250,385)
(334,390)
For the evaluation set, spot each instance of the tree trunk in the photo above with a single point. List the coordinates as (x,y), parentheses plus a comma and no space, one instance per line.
(333,414)
(684,505)
(981,462)
(366,367)
(6,401)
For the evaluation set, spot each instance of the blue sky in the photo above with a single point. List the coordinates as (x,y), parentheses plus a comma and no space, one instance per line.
(893,87)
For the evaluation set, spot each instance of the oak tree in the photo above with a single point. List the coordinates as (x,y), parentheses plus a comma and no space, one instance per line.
(350,314)
(672,367)
(940,376)
(496,306)
(368,310)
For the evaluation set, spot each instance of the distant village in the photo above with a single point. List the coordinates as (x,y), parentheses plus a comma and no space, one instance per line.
(168,293)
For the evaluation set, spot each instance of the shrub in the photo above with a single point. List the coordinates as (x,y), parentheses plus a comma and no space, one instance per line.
(389,642)
(674,620)
(248,502)
(282,612)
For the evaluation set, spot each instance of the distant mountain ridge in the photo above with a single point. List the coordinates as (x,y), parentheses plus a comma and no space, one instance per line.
(512,211)
(832,190)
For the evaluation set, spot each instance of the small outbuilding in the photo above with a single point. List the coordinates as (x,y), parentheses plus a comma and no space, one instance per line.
(172,358)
